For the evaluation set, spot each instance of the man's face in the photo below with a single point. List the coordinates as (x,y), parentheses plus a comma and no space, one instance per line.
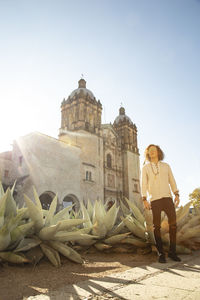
(153,152)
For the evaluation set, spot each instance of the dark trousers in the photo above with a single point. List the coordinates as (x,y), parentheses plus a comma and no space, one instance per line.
(166,205)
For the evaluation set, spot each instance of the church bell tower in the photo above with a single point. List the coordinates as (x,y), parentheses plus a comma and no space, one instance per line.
(127,132)
(81,111)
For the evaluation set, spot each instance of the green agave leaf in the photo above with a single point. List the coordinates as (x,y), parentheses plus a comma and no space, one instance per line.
(13,258)
(35,213)
(26,244)
(90,209)
(125,210)
(11,207)
(37,199)
(86,216)
(13,188)
(2,208)
(117,229)
(1,191)
(5,238)
(20,231)
(52,210)
(67,251)
(110,217)
(116,238)
(99,212)
(48,232)
(67,224)
(51,254)
(137,213)
(64,236)
(62,215)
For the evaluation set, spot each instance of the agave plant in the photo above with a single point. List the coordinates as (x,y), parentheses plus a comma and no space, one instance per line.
(102,225)
(52,230)
(136,223)
(13,226)
(188,227)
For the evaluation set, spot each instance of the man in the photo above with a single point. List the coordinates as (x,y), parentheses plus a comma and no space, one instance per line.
(157,178)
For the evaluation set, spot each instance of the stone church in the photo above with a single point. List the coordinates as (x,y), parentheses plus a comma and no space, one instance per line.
(89,160)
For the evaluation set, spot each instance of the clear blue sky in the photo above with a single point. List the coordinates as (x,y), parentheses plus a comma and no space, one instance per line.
(145,54)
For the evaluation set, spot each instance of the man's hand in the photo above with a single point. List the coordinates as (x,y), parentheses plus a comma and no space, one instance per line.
(176,200)
(147,205)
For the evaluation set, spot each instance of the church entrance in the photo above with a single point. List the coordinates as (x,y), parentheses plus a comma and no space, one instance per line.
(71,200)
(46,199)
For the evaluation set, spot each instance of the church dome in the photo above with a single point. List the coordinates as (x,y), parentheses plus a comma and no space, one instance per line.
(122,117)
(82,90)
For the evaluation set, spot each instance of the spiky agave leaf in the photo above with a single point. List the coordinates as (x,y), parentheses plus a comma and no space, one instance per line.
(125,210)
(64,236)
(99,229)
(2,208)
(134,241)
(19,232)
(136,228)
(47,233)
(13,258)
(67,224)
(24,212)
(116,238)
(83,230)
(188,234)
(181,217)
(66,251)
(90,209)
(1,190)
(11,207)
(76,214)
(136,212)
(27,243)
(51,212)
(13,222)
(37,199)
(51,254)
(35,214)
(62,215)
(102,246)
(117,229)
(13,187)
(5,238)
(192,223)
(99,212)
(110,217)
(86,216)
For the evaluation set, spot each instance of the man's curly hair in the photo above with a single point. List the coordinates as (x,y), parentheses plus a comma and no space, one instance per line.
(160,153)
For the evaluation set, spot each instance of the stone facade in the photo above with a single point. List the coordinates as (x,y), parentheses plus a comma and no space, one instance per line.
(89,160)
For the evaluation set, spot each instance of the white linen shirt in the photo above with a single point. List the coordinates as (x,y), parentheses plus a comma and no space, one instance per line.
(157,186)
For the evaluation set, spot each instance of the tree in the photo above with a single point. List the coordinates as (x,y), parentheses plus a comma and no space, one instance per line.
(195,197)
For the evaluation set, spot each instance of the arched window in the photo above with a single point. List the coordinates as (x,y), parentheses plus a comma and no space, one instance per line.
(88,176)
(71,200)
(135,187)
(109,161)
(46,199)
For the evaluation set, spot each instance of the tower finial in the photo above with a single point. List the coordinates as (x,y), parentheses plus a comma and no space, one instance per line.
(122,110)
(82,83)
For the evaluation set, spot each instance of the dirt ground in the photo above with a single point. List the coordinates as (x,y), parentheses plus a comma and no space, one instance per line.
(18,282)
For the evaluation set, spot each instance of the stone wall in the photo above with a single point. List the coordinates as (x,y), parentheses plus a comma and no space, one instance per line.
(53,166)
